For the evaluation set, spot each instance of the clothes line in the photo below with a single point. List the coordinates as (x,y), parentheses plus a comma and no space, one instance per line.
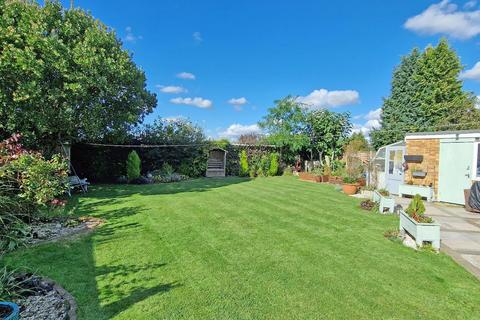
(172,145)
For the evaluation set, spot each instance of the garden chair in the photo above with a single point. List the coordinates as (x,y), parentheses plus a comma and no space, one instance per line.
(76,182)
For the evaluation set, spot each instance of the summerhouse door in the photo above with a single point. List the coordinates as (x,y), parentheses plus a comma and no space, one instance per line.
(394,168)
(455,172)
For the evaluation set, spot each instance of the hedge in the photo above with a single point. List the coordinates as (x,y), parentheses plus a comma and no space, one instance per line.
(105,164)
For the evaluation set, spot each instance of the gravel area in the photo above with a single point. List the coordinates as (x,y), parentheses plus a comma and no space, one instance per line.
(50,306)
(46,301)
(50,231)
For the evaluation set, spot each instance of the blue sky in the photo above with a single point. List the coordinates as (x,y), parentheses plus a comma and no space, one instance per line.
(223,63)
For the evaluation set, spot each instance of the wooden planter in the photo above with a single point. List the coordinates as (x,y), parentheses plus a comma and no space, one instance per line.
(306,176)
(384,202)
(367,194)
(349,188)
(420,231)
(325,178)
(335,180)
(411,190)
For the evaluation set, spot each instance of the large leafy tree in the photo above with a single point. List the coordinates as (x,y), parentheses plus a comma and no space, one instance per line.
(329,131)
(65,76)
(426,95)
(286,127)
(171,132)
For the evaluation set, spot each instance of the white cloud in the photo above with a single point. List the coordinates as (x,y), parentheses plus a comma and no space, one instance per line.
(186,75)
(366,127)
(473,73)
(445,18)
(174,118)
(171,89)
(470,4)
(130,36)
(323,98)
(236,130)
(373,122)
(196,102)
(197,36)
(374,114)
(237,103)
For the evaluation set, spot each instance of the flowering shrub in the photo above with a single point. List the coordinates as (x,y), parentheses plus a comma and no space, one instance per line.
(39,180)
(11,149)
(29,184)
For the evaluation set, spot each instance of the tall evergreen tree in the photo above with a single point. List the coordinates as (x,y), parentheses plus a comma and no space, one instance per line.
(444,103)
(426,95)
(401,110)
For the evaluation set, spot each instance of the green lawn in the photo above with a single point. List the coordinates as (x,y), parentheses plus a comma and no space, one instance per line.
(271,248)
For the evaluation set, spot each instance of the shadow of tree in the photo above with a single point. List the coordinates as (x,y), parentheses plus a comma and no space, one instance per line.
(195,185)
(136,296)
(132,277)
(104,291)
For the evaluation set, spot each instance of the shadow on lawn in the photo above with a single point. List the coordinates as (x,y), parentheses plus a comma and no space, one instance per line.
(104,291)
(131,277)
(195,185)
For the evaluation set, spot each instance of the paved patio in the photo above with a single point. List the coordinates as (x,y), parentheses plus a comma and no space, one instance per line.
(460,232)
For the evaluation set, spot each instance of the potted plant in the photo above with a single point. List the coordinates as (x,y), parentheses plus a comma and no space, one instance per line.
(338,174)
(327,171)
(317,174)
(9,311)
(350,185)
(415,223)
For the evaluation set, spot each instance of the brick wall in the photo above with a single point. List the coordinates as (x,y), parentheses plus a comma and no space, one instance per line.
(430,150)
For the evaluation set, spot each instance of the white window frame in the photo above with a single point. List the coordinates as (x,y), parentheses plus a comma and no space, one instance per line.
(475,175)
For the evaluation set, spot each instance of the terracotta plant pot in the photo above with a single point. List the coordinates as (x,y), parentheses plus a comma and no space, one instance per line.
(306,176)
(362,182)
(349,189)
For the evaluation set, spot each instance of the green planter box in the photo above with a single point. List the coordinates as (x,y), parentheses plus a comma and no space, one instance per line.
(420,231)
(411,190)
(384,202)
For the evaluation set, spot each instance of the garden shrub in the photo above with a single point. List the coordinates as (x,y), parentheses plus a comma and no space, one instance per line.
(244,170)
(14,211)
(263,166)
(416,210)
(166,170)
(133,166)
(288,171)
(29,187)
(273,168)
(40,180)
